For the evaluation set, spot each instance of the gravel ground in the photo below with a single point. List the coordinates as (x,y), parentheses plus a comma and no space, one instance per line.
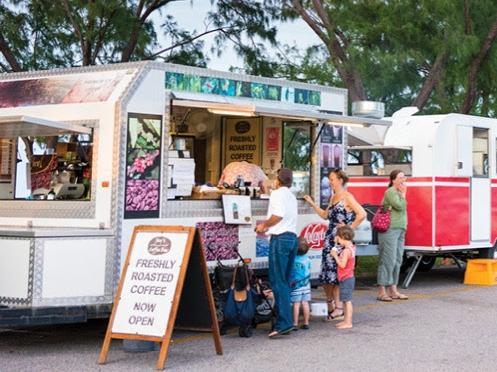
(444,326)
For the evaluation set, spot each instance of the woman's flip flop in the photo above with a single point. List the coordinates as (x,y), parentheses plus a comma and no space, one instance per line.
(384,298)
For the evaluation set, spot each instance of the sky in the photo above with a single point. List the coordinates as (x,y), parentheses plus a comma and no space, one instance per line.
(190,15)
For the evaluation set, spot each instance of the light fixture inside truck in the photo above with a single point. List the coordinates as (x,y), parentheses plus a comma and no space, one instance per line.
(231,112)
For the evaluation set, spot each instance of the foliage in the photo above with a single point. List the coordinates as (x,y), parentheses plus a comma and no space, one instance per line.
(402,52)
(39,34)
(296,147)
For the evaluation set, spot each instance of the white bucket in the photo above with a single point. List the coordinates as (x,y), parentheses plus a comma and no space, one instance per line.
(180,144)
(319,309)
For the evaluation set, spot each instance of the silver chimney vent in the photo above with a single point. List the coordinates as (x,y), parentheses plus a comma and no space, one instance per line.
(368,109)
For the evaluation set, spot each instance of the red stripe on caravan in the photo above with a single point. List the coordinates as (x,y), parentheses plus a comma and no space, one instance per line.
(452,219)
(494,180)
(452,179)
(419,179)
(386,179)
(367,195)
(369,179)
(419,216)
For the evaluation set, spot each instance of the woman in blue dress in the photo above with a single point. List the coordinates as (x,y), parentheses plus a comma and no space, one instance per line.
(343,209)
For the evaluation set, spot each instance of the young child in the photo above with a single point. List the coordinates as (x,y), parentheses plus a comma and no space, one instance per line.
(301,285)
(346,263)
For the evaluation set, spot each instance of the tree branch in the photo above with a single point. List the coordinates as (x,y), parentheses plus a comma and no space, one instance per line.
(104,27)
(140,20)
(77,30)
(431,80)
(312,23)
(9,55)
(186,41)
(475,66)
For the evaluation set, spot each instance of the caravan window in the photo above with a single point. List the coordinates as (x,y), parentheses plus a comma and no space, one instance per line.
(480,152)
(372,161)
(46,168)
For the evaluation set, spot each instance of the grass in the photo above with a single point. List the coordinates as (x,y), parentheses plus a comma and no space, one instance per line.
(366,265)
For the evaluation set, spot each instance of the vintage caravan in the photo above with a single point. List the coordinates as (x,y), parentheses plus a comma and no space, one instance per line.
(89,153)
(450,161)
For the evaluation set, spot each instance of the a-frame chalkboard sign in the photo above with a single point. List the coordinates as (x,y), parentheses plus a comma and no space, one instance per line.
(164,283)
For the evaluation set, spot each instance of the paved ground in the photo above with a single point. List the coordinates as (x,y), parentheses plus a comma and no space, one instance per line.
(445,326)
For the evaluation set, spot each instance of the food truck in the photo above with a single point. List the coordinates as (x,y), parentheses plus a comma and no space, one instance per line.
(89,153)
(452,181)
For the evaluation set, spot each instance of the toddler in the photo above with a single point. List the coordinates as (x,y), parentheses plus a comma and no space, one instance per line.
(301,285)
(346,263)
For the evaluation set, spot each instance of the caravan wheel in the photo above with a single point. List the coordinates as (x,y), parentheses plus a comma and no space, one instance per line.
(425,265)
(488,253)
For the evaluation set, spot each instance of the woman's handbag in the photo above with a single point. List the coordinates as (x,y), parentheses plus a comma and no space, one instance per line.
(381,220)
(240,305)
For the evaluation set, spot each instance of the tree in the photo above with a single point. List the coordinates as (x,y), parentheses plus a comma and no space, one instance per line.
(403,52)
(39,34)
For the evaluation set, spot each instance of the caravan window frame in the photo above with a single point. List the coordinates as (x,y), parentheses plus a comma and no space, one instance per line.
(485,166)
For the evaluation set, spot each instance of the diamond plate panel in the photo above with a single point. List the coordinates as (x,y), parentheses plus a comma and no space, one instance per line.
(12,301)
(107,298)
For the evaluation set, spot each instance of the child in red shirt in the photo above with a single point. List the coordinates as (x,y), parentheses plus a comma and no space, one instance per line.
(346,263)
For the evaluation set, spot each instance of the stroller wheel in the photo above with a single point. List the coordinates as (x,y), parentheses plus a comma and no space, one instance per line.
(254,323)
(223,329)
(245,331)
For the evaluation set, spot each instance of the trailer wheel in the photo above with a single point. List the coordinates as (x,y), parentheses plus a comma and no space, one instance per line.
(488,253)
(425,265)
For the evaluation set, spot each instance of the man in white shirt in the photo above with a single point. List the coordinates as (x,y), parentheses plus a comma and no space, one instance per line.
(281,224)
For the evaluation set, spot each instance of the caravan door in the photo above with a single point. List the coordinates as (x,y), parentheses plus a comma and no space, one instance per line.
(480,186)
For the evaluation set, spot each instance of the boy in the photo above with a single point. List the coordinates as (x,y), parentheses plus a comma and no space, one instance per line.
(346,263)
(301,285)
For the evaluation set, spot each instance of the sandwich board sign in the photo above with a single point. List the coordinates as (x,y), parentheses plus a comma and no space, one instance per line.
(164,275)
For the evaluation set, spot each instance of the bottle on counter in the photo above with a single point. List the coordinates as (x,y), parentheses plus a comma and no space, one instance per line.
(235,211)
(51,195)
(239,181)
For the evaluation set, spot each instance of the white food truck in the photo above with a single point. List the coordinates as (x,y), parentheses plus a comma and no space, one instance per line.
(451,164)
(89,153)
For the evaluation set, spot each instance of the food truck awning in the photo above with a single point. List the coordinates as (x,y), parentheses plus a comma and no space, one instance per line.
(27,126)
(244,107)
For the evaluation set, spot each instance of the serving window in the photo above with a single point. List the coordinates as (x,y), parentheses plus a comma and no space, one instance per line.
(41,160)
(234,154)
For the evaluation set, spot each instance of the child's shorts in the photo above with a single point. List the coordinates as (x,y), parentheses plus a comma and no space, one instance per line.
(301,294)
(346,289)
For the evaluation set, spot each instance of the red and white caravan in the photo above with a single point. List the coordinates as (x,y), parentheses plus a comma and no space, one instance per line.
(452,184)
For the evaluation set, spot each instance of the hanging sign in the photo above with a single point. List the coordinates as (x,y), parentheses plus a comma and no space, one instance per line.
(242,140)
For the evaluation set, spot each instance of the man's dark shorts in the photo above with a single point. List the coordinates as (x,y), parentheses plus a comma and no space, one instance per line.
(346,289)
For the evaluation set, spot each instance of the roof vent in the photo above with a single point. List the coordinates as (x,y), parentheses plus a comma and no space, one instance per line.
(368,109)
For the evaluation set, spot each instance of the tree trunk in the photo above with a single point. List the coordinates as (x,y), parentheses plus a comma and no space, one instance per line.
(323,27)
(474,68)
(130,47)
(431,81)
(9,56)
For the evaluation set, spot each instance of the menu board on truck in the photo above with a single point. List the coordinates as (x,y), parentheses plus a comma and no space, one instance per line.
(143,166)
(331,151)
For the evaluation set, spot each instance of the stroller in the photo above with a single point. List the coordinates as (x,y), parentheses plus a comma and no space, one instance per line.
(241,277)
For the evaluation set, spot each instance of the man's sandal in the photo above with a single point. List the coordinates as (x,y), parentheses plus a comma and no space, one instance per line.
(276,334)
(384,298)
